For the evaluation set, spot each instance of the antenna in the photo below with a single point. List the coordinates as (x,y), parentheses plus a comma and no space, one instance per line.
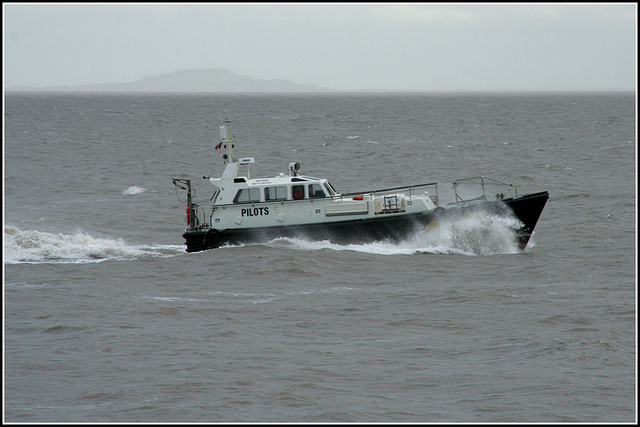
(216,108)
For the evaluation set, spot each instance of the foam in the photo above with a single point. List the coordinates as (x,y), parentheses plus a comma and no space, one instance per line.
(133,190)
(478,233)
(38,247)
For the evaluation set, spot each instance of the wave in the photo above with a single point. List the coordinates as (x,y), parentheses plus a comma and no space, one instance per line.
(133,190)
(478,233)
(39,247)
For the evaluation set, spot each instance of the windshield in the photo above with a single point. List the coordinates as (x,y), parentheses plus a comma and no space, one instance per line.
(330,188)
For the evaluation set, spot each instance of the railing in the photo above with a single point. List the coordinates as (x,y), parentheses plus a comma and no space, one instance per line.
(484,182)
(194,211)
(410,189)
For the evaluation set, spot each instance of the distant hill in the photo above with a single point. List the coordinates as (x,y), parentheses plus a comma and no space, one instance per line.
(201,80)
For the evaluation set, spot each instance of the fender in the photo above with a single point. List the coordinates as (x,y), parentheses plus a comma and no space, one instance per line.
(212,236)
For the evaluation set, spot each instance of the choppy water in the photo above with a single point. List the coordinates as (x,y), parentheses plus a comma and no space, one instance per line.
(107,319)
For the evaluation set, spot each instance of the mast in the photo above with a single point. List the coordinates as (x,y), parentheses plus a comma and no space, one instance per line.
(231,168)
(225,137)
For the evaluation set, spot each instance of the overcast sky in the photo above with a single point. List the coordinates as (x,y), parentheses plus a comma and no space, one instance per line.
(394,46)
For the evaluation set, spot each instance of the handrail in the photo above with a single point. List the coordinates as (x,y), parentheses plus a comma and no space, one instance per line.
(391,189)
(483,196)
(404,187)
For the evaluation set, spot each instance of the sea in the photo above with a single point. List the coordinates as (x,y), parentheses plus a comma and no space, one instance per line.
(107,319)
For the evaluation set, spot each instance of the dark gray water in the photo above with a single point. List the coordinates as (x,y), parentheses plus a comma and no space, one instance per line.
(107,319)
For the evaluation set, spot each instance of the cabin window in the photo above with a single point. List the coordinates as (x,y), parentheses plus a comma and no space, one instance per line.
(297,192)
(275,193)
(316,191)
(247,195)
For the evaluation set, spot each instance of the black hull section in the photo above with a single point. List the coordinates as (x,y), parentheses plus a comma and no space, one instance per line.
(526,208)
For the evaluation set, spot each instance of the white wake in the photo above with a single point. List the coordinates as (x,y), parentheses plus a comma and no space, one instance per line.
(37,247)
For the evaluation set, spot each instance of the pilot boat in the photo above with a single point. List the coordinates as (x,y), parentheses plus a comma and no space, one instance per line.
(244,209)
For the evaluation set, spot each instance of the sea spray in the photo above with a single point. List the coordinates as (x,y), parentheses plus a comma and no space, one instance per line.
(475,233)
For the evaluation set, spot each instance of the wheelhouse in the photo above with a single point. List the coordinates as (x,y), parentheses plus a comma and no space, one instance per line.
(232,189)
(281,189)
